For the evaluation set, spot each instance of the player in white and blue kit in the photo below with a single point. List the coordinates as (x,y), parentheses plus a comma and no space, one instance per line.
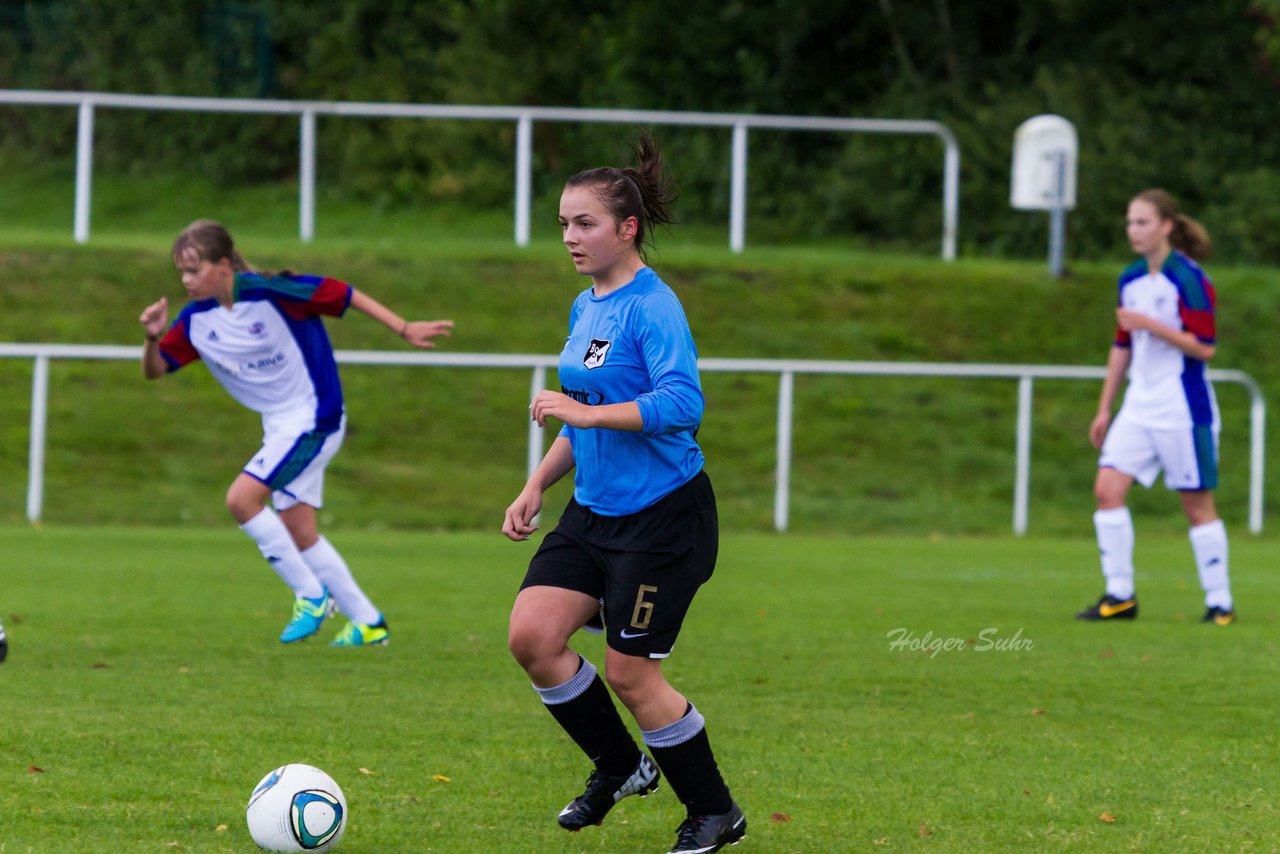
(640,534)
(1165,338)
(261,335)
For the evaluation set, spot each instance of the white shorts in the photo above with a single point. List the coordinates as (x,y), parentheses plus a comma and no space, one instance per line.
(292,462)
(1189,457)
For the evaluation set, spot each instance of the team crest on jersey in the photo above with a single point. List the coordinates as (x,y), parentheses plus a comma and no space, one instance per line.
(257,329)
(597,350)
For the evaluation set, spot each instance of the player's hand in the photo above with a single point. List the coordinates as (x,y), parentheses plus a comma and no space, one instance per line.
(420,332)
(1098,429)
(518,524)
(553,404)
(1130,320)
(155,317)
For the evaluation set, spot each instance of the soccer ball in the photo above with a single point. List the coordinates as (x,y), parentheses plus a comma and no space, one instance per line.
(297,808)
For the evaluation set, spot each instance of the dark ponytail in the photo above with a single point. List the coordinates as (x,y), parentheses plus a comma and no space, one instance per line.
(643,191)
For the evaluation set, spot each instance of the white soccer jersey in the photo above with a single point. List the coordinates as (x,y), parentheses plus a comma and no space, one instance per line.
(1168,389)
(269,349)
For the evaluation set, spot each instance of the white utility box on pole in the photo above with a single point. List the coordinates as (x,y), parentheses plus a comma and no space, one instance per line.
(1045,152)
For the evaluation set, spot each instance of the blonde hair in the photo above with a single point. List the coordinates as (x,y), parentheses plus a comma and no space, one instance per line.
(1188,236)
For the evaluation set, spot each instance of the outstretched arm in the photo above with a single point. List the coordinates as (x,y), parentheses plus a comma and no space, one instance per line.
(417,332)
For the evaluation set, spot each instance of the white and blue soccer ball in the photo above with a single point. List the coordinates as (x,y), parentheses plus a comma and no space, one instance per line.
(297,808)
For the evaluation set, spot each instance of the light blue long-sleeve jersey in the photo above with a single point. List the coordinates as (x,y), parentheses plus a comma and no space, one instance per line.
(633,344)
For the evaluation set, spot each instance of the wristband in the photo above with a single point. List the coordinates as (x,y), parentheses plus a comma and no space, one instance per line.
(153,338)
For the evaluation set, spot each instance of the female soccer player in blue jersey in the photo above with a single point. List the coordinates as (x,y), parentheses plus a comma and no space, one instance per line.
(262,337)
(1169,419)
(640,533)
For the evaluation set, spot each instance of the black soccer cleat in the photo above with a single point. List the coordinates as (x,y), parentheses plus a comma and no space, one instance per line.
(4,644)
(1111,608)
(702,834)
(1212,614)
(603,792)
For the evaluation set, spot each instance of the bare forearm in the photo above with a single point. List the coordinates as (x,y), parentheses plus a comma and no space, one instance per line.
(366,304)
(1117,364)
(556,464)
(153,364)
(617,416)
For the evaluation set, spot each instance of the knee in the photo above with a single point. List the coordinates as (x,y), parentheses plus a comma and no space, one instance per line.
(1106,495)
(240,507)
(528,645)
(626,683)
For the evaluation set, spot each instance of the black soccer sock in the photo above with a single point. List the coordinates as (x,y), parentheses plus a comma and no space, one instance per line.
(590,718)
(683,752)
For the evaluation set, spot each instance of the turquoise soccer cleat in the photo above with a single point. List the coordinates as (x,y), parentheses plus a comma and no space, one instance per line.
(308,614)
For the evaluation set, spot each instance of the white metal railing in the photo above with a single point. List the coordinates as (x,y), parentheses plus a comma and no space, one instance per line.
(524,117)
(786,369)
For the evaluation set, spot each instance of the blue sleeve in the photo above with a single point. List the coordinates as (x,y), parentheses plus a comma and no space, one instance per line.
(676,402)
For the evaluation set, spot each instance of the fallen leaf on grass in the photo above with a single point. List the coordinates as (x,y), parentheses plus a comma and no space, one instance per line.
(924,831)
(100,665)
(34,769)
(440,778)
(780,818)
(367,772)
(1037,711)
(222,828)
(184,669)
(880,840)
(1026,792)
(1107,817)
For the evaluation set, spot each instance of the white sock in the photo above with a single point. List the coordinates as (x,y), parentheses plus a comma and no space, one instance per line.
(1115,545)
(278,548)
(1209,544)
(330,568)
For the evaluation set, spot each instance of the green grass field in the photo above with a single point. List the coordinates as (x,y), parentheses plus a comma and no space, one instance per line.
(145,695)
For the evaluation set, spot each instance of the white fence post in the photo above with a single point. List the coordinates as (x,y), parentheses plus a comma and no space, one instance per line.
(782,489)
(39,427)
(524,177)
(307,177)
(738,190)
(84,170)
(950,195)
(1022,466)
(534,456)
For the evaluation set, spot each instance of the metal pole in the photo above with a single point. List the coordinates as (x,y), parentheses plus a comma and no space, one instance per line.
(738,190)
(1022,467)
(524,177)
(84,170)
(1257,458)
(534,457)
(35,453)
(950,197)
(307,178)
(782,490)
(1058,215)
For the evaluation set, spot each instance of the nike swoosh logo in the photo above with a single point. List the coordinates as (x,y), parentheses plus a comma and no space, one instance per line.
(628,636)
(1105,610)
